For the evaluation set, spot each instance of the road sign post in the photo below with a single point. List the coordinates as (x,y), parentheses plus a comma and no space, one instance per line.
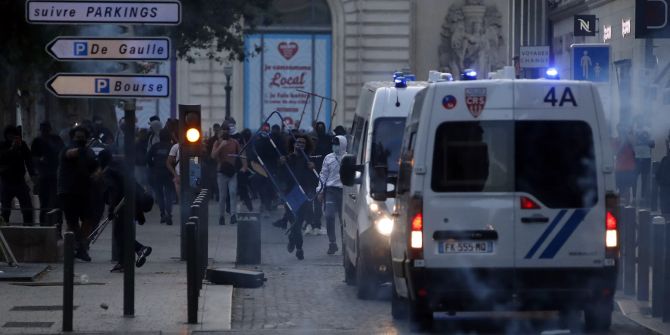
(591,62)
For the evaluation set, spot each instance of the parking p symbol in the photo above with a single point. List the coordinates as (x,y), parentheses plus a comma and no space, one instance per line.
(101,85)
(80,48)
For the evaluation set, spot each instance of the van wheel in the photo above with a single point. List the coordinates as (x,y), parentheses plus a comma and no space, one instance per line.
(420,317)
(349,270)
(365,281)
(398,305)
(598,316)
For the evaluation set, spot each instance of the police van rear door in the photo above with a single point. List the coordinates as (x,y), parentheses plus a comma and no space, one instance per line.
(559,204)
(468,198)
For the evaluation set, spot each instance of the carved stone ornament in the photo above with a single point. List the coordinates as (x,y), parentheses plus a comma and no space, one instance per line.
(472,37)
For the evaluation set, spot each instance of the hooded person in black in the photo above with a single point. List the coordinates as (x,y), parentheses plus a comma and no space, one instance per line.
(303,170)
(76,168)
(45,150)
(323,147)
(114,193)
(15,160)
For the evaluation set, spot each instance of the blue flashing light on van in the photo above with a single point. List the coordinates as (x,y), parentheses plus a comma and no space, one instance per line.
(551,73)
(469,74)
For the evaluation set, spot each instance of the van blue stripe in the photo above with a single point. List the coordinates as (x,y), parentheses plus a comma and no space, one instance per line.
(565,233)
(546,234)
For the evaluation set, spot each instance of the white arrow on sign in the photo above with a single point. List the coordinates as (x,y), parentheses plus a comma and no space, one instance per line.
(109,86)
(95,48)
(140,12)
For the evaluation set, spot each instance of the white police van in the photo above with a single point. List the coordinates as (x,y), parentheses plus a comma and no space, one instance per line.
(505,200)
(367,224)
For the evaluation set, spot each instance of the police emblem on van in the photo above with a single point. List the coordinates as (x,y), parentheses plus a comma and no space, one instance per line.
(475,99)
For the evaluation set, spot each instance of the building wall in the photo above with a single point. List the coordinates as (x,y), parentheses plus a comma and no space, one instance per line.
(648,84)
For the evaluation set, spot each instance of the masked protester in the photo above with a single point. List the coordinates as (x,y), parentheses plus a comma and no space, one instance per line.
(155,127)
(226,151)
(15,160)
(323,143)
(45,149)
(210,163)
(77,165)
(160,177)
(332,195)
(303,169)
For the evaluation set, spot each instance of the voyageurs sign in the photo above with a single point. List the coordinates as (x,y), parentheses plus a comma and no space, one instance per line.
(288,63)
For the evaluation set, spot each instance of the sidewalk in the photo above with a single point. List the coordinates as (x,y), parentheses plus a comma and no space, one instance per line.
(160,288)
(640,313)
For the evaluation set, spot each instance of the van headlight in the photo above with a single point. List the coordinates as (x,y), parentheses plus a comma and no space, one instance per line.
(384,225)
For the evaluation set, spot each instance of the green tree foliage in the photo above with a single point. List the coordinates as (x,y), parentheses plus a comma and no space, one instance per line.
(210,25)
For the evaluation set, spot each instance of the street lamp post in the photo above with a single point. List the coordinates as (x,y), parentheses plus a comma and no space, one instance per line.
(228,71)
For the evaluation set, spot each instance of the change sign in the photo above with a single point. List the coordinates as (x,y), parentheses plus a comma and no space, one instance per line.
(109,86)
(141,12)
(83,48)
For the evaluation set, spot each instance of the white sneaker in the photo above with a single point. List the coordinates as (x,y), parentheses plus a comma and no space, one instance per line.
(323,231)
(307,231)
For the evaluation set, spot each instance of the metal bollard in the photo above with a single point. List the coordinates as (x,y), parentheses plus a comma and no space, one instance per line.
(68,281)
(666,276)
(198,249)
(654,187)
(622,233)
(191,274)
(628,220)
(644,254)
(657,250)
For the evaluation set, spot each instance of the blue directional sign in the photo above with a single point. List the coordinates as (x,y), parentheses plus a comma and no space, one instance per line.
(102,48)
(109,85)
(591,62)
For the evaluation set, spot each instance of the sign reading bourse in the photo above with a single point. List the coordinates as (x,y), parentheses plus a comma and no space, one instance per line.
(272,78)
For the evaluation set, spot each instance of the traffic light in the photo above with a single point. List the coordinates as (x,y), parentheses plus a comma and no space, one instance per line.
(190,132)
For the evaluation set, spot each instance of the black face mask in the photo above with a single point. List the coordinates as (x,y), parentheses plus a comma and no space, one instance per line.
(80,143)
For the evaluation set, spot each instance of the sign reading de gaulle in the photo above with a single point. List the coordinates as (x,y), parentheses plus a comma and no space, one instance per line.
(652,19)
(139,12)
(96,48)
(109,86)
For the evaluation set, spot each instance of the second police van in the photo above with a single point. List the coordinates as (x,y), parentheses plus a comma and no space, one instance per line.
(505,200)
(377,133)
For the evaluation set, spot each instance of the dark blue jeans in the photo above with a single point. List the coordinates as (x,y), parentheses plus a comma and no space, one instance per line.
(333,206)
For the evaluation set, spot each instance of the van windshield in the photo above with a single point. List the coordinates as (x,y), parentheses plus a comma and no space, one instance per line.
(551,160)
(386,141)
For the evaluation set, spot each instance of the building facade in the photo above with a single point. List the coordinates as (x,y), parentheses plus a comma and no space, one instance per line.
(369,40)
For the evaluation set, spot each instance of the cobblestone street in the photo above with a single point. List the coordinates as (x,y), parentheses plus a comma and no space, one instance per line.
(310,297)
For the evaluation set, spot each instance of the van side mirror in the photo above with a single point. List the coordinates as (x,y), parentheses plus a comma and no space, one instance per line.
(348,169)
(382,186)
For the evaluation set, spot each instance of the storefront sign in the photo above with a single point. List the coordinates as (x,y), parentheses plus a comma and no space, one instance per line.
(289,62)
(607,33)
(585,25)
(652,19)
(534,57)
(625,27)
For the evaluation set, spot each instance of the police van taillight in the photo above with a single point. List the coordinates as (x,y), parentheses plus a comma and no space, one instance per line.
(416,228)
(611,226)
(611,238)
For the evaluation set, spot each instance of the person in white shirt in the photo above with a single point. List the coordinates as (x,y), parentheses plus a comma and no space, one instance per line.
(173,166)
(330,178)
